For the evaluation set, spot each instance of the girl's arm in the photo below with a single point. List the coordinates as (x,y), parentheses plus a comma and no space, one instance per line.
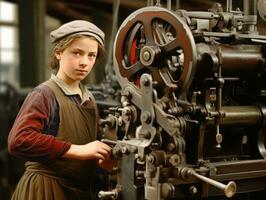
(27,139)
(93,150)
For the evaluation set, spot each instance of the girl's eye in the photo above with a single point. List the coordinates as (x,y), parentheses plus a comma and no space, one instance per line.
(76,53)
(92,55)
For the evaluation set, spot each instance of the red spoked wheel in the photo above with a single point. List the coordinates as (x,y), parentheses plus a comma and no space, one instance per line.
(155,40)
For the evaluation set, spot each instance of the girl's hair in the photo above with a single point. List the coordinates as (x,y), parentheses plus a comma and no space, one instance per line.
(64,43)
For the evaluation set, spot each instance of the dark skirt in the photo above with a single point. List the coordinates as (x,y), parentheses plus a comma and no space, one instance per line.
(36,186)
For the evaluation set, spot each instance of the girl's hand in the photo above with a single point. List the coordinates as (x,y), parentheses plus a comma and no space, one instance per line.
(93,150)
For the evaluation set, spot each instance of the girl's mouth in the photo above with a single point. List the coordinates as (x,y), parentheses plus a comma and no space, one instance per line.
(82,71)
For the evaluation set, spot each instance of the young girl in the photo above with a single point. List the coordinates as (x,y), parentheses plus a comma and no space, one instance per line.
(56,128)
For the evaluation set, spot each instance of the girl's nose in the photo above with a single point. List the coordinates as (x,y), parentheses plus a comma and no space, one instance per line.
(84,61)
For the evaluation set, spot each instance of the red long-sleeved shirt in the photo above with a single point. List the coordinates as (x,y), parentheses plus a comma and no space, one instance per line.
(32,136)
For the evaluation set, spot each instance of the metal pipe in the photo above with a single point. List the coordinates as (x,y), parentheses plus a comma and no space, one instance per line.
(236,59)
(240,115)
(250,7)
(202,15)
(250,15)
(246,115)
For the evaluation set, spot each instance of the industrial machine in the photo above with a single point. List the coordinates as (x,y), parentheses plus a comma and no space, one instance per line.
(192,120)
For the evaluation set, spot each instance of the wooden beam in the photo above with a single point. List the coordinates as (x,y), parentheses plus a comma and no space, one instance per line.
(62,11)
(93,10)
(134,4)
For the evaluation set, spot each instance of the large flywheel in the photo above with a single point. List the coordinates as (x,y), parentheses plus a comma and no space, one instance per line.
(155,40)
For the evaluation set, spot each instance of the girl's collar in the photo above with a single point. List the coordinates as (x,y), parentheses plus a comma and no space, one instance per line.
(68,90)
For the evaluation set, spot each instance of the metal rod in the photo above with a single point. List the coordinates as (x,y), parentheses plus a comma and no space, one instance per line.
(177,4)
(228,5)
(149,2)
(169,3)
(220,83)
(229,189)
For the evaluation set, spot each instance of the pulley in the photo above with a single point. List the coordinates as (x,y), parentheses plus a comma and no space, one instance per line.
(155,40)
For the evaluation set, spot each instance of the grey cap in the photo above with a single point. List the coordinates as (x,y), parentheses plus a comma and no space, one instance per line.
(80,27)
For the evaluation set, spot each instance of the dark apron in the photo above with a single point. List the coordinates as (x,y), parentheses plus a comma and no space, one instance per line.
(65,179)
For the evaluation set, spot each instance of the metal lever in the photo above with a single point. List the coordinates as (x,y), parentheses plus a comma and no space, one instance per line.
(114,194)
(229,189)
(108,194)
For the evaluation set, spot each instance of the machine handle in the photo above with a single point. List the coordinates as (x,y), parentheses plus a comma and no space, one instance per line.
(108,194)
(229,189)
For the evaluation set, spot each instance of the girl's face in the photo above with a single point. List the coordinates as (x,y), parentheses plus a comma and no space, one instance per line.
(77,60)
